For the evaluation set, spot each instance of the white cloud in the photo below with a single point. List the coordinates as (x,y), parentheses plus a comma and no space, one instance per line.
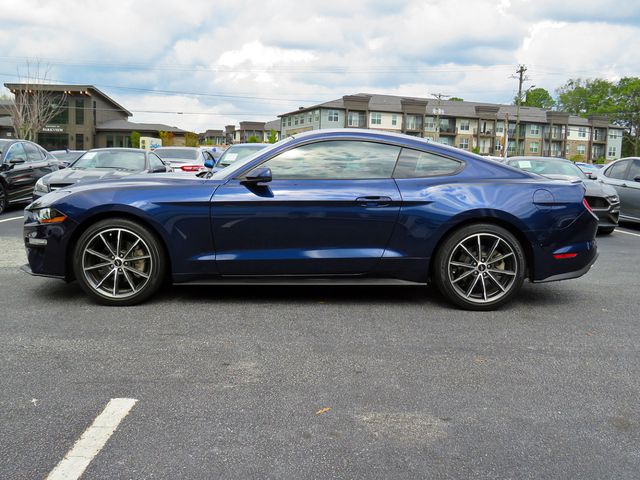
(284,54)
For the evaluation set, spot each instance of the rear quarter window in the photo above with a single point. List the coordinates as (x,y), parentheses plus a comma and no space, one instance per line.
(418,164)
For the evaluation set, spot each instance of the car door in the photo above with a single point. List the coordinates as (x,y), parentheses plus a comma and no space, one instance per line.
(329,209)
(18,173)
(632,193)
(616,176)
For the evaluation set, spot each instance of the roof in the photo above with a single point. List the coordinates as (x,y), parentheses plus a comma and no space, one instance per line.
(126,125)
(273,125)
(451,108)
(66,87)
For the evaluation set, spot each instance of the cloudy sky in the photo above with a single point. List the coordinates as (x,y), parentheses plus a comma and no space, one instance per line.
(224,61)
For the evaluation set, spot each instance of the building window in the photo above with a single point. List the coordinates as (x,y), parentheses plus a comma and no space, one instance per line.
(80,111)
(316,115)
(62,116)
(612,151)
(333,116)
(354,119)
(464,126)
(582,132)
(109,141)
(498,146)
(511,147)
(534,129)
(429,123)
(500,127)
(533,147)
(394,119)
(288,121)
(613,134)
(376,119)
(310,117)
(296,121)
(414,122)
(581,149)
(464,143)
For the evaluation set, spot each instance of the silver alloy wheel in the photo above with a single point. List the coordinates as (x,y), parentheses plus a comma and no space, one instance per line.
(482,268)
(117,263)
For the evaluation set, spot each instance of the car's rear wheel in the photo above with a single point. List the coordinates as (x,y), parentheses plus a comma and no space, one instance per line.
(119,262)
(480,267)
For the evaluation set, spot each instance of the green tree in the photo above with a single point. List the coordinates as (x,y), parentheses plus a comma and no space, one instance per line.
(253,139)
(537,97)
(166,137)
(190,139)
(586,97)
(626,99)
(456,99)
(135,139)
(273,136)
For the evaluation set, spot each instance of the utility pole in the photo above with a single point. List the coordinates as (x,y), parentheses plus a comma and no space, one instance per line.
(521,79)
(438,111)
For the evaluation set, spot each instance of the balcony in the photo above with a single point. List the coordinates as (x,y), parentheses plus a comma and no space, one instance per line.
(447,130)
(483,133)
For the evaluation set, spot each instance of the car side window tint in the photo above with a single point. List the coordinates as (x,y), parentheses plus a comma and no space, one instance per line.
(16,152)
(33,154)
(617,170)
(634,170)
(417,164)
(155,162)
(335,160)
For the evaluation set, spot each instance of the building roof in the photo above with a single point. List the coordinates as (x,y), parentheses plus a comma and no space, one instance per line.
(450,108)
(212,133)
(273,125)
(55,87)
(126,125)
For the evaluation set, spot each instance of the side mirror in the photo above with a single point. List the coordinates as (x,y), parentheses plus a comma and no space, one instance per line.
(64,164)
(209,163)
(258,175)
(637,179)
(161,169)
(591,176)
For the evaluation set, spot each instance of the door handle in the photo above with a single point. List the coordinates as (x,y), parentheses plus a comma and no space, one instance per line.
(373,201)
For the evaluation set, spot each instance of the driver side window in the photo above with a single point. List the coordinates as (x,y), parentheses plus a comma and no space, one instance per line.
(618,170)
(16,152)
(335,160)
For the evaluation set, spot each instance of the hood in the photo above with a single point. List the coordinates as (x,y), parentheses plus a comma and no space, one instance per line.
(599,189)
(70,176)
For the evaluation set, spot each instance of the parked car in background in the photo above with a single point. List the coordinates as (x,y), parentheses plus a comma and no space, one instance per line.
(22,163)
(624,176)
(186,159)
(101,164)
(603,199)
(589,169)
(237,152)
(331,206)
(67,157)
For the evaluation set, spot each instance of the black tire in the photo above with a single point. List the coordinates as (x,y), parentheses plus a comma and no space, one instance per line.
(128,278)
(4,201)
(606,230)
(480,284)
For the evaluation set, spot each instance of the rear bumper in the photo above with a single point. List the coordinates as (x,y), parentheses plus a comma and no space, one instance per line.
(571,274)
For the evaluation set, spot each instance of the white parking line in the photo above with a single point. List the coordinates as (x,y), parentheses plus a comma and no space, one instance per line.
(628,233)
(92,440)
(12,218)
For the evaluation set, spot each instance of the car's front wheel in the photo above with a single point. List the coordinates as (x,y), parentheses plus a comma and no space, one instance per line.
(119,262)
(480,267)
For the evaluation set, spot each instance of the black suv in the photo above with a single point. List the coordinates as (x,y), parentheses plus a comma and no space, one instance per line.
(22,163)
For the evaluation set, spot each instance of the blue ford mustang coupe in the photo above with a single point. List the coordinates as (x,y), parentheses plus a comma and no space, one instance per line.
(329,206)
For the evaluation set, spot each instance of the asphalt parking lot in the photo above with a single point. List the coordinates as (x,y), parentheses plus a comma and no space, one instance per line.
(317,382)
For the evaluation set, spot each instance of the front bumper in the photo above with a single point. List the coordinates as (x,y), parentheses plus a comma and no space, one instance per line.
(46,247)
(608,212)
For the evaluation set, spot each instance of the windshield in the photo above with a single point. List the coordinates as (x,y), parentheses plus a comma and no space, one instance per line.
(177,153)
(233,154)
(112,159)
(239,165)
(547,167)
(68,156)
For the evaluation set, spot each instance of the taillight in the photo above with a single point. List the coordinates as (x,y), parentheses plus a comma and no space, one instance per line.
(563,256)
(586,205)
(190,168)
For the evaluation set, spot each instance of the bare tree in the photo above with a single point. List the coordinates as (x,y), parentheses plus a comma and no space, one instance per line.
(34,104)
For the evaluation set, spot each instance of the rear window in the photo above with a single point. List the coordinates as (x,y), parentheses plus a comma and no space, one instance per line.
(417,164)
(177,153)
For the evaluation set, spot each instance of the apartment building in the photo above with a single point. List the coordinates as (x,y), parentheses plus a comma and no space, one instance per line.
(480,127)
(248,129)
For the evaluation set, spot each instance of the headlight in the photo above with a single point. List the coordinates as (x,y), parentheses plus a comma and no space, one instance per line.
(48,215)
(613,198)
(41,187)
